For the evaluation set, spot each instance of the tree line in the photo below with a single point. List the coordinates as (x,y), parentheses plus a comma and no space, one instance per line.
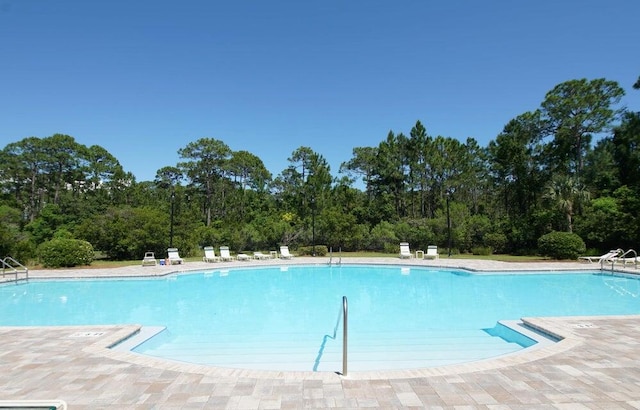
(542,173)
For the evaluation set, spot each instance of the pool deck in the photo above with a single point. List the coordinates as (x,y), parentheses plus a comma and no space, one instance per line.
(596,365)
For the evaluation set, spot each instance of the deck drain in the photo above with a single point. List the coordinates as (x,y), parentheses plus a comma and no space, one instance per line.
(87,334)
(583,326)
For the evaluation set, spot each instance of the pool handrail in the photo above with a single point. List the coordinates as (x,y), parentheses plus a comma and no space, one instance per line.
(345,334)
(331,256)
(14,268)
(623,258)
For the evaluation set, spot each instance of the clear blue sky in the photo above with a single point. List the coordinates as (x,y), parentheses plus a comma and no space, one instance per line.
(143,78)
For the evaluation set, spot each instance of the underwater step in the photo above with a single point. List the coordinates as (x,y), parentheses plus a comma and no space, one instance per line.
(303,352)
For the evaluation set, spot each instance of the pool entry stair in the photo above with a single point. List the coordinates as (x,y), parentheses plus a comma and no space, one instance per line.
(290,351)
(14,270)
(369,351)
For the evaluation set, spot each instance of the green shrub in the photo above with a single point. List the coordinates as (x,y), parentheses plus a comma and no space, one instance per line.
(391,248)
(383,237)
(25,252)
(481,250)
(561,245)
(496,241)
(63,252)
(321,250)
(593,251)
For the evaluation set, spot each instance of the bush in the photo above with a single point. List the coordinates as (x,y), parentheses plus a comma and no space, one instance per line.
(561,245)
(382,237)
(496,241)
(127,233)
(63,252)
(321,250)
(25,252)
(481,250)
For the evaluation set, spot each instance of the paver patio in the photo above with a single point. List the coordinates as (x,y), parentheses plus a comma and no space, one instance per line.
(595,366)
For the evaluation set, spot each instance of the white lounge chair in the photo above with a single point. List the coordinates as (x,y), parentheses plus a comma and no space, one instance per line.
(405,252)
(284,252)
(261,256)
(174,257)
(432,252)
(243,257)
(149,259)
(210,255)
(607,257)
(624,261)
(224,254)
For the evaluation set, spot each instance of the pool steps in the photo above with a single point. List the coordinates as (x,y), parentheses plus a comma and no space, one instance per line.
(367,351)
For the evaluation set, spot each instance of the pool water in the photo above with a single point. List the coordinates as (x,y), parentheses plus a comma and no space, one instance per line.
(289,318)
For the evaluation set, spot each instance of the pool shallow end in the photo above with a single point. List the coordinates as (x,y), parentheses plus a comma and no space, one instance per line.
(542,350)
(525,333)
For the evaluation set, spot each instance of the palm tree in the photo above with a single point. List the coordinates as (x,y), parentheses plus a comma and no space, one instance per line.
(565,193)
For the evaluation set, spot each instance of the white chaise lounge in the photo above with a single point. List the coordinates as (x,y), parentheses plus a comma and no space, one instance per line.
(174,257)
(225,255)
(261,256)
(432,252)
(210,255)
(149,259)
(284,252)
(405,251)
(607,257)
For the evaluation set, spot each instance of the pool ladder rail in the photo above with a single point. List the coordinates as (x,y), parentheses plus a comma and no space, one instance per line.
(11,266)
(345,334)
(339,262)
(623,258)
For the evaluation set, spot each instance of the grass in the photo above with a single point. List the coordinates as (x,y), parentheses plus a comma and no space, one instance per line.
(504,258)
(105,263)
(364,254)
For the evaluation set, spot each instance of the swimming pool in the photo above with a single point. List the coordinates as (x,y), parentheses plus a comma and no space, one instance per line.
(284,318)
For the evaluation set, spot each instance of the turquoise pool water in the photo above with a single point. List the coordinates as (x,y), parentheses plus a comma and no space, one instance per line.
(285,318)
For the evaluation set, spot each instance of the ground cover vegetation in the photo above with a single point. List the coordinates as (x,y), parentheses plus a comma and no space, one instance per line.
(571,166)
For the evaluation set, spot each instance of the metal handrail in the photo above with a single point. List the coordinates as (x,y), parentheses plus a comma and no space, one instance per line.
(8,263)
(342,314)
(331,256)
(624,255)
(345,334)
(609,257)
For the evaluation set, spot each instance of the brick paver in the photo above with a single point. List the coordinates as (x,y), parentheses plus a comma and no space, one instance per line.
(595,366)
